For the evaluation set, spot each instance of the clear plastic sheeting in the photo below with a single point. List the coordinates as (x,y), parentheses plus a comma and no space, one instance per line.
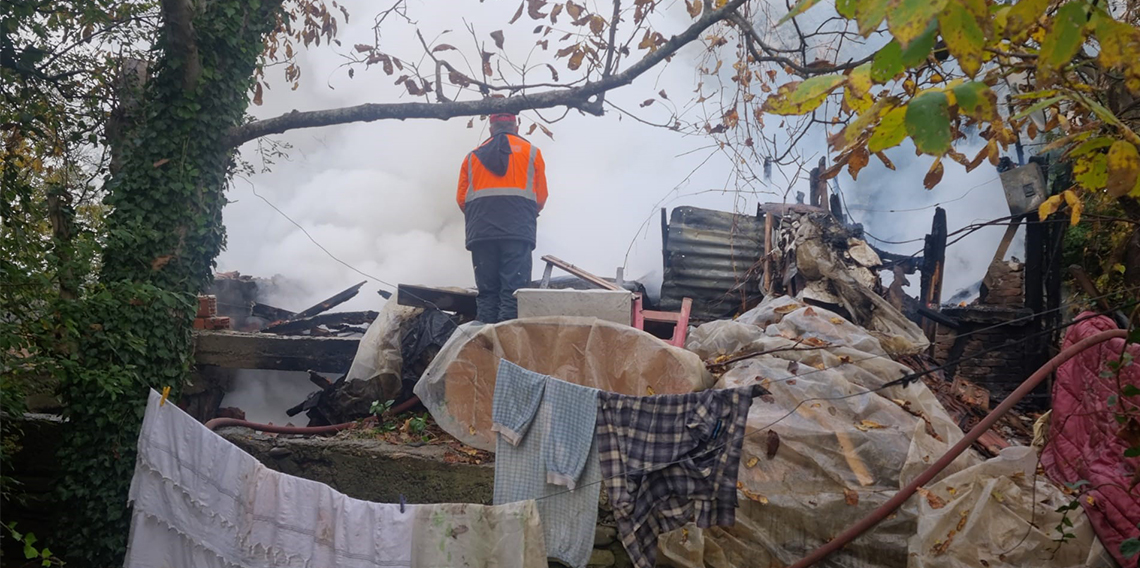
(458,387)
(821,452)
(999,513)
(379,350)
(376,370)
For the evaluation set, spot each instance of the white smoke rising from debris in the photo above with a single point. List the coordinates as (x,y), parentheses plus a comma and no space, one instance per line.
(380,196)
(265,395)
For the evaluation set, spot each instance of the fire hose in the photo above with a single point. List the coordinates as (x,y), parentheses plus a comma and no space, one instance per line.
(307,430)
(976,432)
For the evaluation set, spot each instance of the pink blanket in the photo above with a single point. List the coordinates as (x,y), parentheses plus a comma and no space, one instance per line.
(1085,442)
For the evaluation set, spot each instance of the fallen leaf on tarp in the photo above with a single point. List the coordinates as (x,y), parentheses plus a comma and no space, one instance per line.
(962,521)
(787,308)
(844,359)
(933,500)
(869,425)
(773,444)
(941,546)
(471,430)
(851,497)
(820,366)
(753,496)
(815,342)
(752,462)
(793,367)
(838,320)
(809,311)
(650,391)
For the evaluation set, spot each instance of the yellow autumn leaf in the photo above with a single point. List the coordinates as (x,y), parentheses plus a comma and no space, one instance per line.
(752,462)
(1075,206)
(802,97)
(867,425)
(1123,168)
(650,391)
(1048,207)
(859,80)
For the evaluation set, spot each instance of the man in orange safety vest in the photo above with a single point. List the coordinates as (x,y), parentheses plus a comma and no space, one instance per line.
(502,188)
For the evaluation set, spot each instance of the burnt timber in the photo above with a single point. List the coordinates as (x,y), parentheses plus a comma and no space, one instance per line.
(237,350)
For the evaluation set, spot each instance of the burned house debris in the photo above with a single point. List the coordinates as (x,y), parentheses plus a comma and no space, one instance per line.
(861,386)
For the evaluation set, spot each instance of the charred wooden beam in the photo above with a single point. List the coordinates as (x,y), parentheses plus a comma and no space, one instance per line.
(460,302)
(267,312)
(330,303)
(933,269)
(329,320)
(237,350)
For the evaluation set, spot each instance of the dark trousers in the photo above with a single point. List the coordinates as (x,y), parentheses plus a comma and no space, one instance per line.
(501,267)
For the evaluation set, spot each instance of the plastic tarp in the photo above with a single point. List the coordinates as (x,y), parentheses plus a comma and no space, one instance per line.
(822,452)
(998,513)
(1085,444)
(375,373)
(458,387)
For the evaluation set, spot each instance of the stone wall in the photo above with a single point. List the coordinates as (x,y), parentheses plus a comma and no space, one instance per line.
(376,471)
(1003,285)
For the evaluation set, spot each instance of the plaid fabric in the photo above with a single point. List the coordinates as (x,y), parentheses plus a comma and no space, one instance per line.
(557,443)
(668,460)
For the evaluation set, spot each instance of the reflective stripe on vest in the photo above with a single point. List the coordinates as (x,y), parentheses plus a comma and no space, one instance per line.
(526,192)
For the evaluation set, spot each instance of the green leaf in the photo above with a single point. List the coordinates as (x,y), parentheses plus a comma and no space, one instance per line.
(846,8)
(908,19)
(869,14)
(1130,390)
(916,53)
(1038,106)
(802,97)
(1065,38)
(965,39)
(928,122)
(30,552)
(800,7)
(1132,452)
(1091,145)
(865,119)
(976,100)
(890,132)
(1091,171)
(887,63)
(1130,547)
(1023,15)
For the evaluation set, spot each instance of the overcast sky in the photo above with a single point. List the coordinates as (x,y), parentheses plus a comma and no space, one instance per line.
(381,196)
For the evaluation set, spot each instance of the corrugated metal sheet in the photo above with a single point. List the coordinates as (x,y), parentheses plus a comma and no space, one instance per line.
(708,256)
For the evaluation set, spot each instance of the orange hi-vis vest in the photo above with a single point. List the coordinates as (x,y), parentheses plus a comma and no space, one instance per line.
(525,177)
(506,206)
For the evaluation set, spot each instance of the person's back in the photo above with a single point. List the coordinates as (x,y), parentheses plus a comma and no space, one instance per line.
(502,188)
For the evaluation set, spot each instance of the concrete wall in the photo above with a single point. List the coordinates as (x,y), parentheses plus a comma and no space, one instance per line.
(376,471)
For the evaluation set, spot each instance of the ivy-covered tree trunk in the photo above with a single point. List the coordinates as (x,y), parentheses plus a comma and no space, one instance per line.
(165,231)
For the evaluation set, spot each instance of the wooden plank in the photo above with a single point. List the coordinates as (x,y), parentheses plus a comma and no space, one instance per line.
(237,350)
(1003,247)
(580,273)
(460,302)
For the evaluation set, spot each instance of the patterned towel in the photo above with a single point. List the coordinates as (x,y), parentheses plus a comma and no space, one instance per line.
(557,445)
(670,459)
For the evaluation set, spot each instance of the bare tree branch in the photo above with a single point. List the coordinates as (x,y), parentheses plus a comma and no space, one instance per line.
(581,97)
(800,69)
(179,19)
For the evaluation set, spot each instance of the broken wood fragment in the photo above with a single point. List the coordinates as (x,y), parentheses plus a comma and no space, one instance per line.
(459,301)
(330,303)
(335,319)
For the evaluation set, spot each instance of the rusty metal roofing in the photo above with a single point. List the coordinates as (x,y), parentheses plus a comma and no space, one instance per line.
(712,257)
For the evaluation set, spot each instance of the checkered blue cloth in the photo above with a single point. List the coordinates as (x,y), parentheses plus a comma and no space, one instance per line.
(668,460)
(556,443)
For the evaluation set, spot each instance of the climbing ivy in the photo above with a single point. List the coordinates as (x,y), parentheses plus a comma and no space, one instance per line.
(131,332)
